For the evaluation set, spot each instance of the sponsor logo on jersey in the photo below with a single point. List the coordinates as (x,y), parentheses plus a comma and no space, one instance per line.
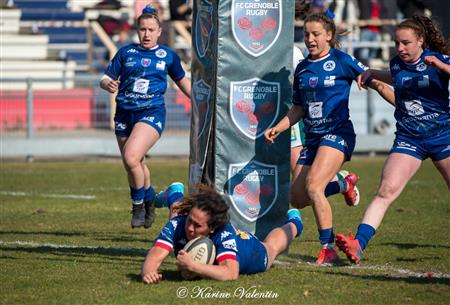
(253,188)
(414,107)
(256,24)
(329,81)
(132,51)
(161,53)
(396,67)
(329,65)
(145,62)
(230,244)
(421,67)
(203,28)
(424,81)
(161,65)
(315,110)
(313,81)
(254,105)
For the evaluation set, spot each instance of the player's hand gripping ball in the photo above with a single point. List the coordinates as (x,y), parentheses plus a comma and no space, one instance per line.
(202,250)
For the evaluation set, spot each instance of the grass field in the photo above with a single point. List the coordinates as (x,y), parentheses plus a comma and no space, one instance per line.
(65,239)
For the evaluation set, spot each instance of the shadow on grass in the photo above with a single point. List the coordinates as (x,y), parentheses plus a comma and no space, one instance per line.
(413,246)
(167,275)
(396,278)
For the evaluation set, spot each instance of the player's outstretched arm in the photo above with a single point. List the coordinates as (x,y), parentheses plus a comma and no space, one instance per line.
(150,267)
(433,61)
(227,270)
(367,76)
(293,116)
(185,85)
(384,90)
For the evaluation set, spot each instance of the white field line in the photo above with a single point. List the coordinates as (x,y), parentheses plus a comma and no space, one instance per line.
(394,272)
(58,246)
(61,196)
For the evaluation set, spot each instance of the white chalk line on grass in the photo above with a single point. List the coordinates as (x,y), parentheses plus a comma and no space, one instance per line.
(59,196)
(394,272)
(58,246)
(399,272)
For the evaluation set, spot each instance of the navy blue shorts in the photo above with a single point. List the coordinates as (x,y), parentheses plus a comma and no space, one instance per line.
(437,147)
(124,120)
(341,141)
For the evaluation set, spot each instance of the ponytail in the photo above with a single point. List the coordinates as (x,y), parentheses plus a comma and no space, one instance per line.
(148,13)
(426,29)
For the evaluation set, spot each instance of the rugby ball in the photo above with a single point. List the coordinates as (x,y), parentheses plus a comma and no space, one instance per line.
(202,250)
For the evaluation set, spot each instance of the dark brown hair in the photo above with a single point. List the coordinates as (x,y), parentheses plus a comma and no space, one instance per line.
(425,28)
(327,23)
(208,200)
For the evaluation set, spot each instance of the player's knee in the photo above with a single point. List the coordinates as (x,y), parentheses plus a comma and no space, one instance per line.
(131,158)
(387,192)
(314,189)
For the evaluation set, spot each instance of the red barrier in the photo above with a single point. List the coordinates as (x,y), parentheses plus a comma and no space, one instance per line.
(66,109)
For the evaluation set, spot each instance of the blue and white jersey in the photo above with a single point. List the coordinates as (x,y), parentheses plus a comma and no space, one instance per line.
(422,106)
(143,75)
(322,88)
(230,243)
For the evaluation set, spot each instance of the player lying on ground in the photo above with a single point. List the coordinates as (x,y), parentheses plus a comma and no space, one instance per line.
(205,213)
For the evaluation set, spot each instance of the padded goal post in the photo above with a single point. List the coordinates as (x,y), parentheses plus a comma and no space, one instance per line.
(241,85)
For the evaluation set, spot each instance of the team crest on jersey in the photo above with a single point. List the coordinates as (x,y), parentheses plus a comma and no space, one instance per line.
(254,105)
(406,81)
(201,92)
(313,81)
(203,27)
(145,62)
(253,188)
(161,53)
(421,67)
(329,65)
(256,24)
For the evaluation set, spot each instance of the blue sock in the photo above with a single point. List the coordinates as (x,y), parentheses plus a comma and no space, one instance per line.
(326,236)
(335,187)
(298,224)
(174,197)
(364,234)
(137,195)
(149,194)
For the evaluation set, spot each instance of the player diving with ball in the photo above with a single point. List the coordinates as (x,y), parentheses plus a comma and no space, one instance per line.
(205,213)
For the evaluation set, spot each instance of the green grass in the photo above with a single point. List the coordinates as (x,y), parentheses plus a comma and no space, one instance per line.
(101,257)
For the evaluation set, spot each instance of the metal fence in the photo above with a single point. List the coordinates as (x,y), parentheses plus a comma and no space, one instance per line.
(73,116)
